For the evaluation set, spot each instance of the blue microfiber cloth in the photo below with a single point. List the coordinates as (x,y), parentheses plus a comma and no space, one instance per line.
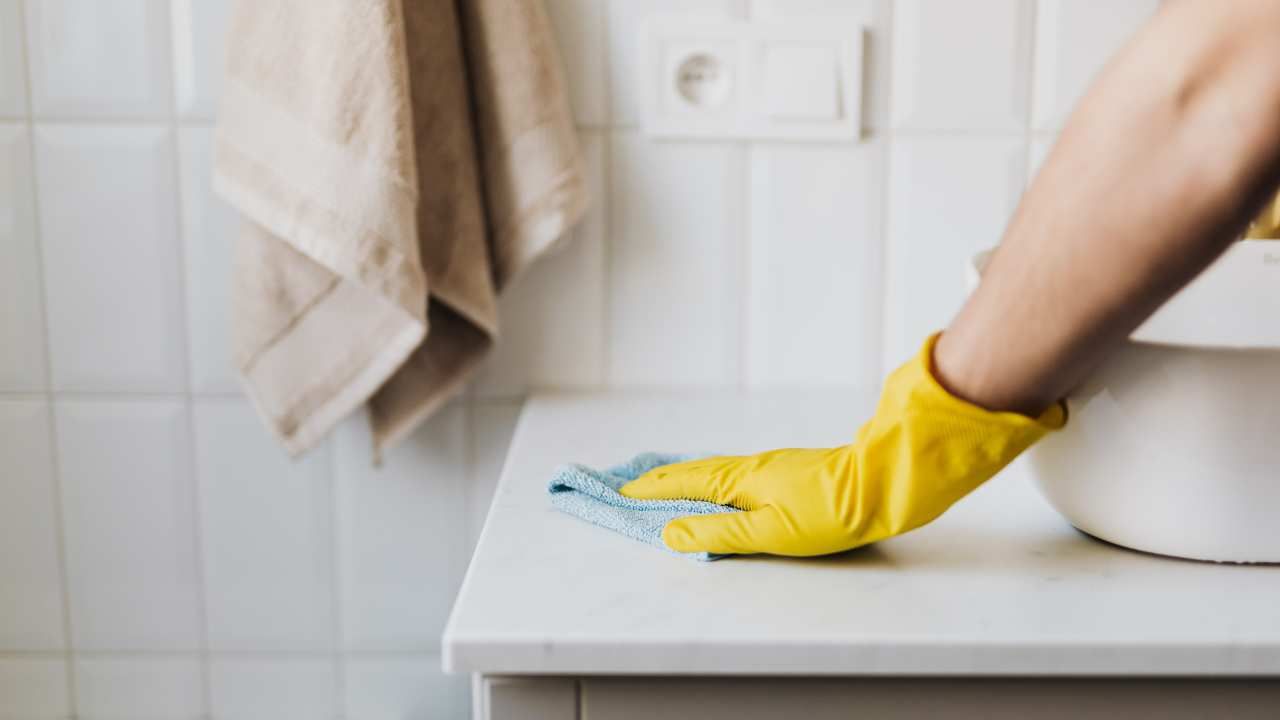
(593,496)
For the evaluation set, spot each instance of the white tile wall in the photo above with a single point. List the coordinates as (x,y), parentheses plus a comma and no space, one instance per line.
(108,221)
(407,688)
(492,426)
(267,525)
(952,71)
(13,72)
(949,197)
(553,326)
(273,689)
(675,261)
(1074,39)
(402,542)
(91,58)
(199,52)
(33,688)
(816,264)
(22,357)
(31,592)
(208,232)
(128,502)
(157,687)
(163,558)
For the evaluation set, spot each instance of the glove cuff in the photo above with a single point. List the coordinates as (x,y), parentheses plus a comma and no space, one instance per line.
(928,448)
(921,374)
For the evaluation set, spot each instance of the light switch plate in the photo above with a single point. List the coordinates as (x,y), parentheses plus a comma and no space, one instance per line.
(802,83)
(743,80)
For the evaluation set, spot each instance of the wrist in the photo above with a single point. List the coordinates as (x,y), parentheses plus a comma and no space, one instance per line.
(966,370)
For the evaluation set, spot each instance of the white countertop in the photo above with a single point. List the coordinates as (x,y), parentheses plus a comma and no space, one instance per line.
(1000,585)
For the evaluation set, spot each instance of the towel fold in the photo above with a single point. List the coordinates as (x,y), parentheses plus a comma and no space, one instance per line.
(396,163)
(592,495)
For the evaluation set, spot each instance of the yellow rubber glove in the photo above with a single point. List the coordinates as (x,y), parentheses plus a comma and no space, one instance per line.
(923,451)
(1267,226)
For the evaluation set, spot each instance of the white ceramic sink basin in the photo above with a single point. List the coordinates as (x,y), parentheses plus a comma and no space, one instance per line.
(1173,445)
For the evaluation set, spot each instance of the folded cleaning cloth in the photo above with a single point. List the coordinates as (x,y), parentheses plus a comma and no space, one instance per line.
(592,495)
(397,163)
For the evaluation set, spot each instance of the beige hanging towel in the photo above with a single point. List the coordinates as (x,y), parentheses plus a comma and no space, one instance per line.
(397,162)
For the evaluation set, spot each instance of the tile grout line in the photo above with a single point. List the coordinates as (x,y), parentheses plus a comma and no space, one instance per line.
(886,195)
(469,446)
(337,656)
(907,132)
(606,140)
(186,122)
(55,463)
(188,399)
(604,207)
(1033,93)
(119,395)
(1032,61)
(125,121)
(744,224)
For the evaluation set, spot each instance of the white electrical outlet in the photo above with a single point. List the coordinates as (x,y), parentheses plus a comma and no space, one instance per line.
(794,81)
(703,80)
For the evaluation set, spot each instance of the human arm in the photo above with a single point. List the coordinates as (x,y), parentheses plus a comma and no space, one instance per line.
(1158,170)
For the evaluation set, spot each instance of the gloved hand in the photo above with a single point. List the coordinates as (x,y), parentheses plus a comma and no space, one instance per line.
(922,451)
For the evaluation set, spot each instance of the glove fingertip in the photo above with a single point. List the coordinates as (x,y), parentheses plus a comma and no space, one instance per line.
(679,537)
(649,486)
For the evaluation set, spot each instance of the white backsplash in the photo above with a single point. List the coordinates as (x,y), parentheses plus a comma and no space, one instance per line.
(161,558)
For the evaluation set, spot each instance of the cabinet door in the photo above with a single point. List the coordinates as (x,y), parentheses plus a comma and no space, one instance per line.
(959,699)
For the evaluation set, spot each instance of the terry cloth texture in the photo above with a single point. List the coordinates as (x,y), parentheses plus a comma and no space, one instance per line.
(396,164)
(593,496)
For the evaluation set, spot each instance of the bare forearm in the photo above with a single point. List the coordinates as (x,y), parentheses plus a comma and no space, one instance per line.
(1157,171)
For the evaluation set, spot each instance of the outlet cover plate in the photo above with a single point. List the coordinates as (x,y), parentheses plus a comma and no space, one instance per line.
(729,80)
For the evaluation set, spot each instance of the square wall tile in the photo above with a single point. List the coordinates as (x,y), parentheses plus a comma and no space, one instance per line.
(100,59)
(874,15)
(13,68)
(139,688)
(949,197)
(961,65)
(626,28)
(580,32)
(209,227)
(816,275)
(108,221)
(676,224)
(22,359)
(34,689)
(273,689)
(267,521)
(129,509)
(492,426)
(401,533)
(408,688)
(1074,40)
(199,54)
(552,318)
(31,585)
